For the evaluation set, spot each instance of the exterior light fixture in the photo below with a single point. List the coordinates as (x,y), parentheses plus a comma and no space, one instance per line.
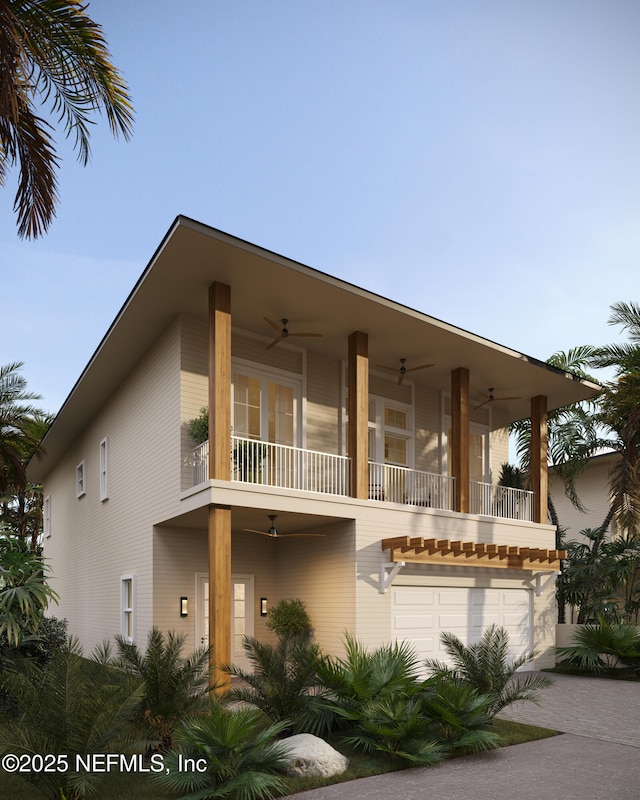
(263,606)
(184,606)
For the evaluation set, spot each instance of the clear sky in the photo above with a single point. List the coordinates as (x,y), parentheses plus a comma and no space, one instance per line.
(476,160)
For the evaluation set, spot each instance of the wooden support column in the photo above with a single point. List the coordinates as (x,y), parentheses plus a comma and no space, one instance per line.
(219,522)
(539,461)
(459,468)
(219,595)
(219,382)
(358,388)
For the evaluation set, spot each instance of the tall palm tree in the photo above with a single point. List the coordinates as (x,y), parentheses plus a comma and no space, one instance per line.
(620,415)
(20,431)
(52,53)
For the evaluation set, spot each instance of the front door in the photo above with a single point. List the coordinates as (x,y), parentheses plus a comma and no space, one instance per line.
(241,614)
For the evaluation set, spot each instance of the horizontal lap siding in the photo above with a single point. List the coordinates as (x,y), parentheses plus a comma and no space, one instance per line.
(323,405)
(94,542)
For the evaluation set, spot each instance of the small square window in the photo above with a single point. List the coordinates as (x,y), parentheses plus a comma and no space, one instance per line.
(80,487)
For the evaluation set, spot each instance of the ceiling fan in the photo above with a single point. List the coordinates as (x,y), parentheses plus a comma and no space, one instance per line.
(404,369)
(273,531)
(490,398)
(283,333)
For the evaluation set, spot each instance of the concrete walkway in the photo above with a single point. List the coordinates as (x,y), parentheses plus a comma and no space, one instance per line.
(596,758)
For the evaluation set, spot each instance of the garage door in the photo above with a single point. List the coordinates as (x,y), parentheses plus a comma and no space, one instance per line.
(420,614)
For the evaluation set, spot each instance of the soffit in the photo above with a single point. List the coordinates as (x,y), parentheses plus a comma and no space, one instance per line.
(263,284)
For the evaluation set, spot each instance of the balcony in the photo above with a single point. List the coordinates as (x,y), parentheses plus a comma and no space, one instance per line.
(267,464)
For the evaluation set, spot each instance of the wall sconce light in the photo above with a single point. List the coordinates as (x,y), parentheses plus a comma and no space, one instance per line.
(184,606)
(263,606)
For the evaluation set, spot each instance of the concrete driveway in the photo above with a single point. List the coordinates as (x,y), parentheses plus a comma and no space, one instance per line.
(596,758)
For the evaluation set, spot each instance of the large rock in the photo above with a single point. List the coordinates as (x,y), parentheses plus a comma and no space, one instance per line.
(309,755)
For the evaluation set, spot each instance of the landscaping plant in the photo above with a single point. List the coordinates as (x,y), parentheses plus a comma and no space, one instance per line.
(175,686)
(487,667)
(603,646)
(243,757)
(282,681)
(70,706)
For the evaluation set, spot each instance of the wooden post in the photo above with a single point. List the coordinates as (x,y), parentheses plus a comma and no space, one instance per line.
(220,595)
(219,382)
(459,468)
(539,462)
(219,521)
(358,387)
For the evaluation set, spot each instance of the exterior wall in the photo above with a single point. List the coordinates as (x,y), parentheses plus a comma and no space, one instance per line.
(321,572)
(323,413)
(427,420)
(93,542)
(593,491)
(373,610)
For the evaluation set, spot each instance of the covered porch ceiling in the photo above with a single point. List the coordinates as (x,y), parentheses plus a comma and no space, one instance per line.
(263,284)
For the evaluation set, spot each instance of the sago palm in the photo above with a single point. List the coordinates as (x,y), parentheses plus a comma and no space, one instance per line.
(51,53)
(68,708)
(174,686)
(240,755)
(282,681)
(487,667)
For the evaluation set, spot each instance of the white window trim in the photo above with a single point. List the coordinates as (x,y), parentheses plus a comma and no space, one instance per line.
(46,516)
(290,379)
(125,609)
(104,469)
(80,480)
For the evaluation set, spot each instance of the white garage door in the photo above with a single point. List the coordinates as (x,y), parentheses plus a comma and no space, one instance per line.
(420,614)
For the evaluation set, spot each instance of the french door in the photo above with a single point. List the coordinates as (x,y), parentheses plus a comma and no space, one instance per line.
(242,614)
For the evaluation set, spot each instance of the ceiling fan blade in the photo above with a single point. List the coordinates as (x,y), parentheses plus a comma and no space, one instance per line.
(422,366)
(298,535)
(262,533)
(401,378)
(273,324)
(274,343)
(488,400)
(507,398)
(305,334)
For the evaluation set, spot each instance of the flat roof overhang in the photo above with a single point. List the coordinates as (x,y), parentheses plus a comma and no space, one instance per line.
(192,256)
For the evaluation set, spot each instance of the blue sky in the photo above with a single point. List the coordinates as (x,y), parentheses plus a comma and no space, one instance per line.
(478,161)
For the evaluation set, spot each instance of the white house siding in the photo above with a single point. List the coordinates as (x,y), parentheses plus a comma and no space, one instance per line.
(593,490)
(427,420)
(322,411)
(94,543)
(179,555)
(373,610)
(321,572)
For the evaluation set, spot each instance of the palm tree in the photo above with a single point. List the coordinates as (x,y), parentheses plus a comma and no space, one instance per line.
(174,686)
(51,52)
(20,431)
(620,415)
(487,667)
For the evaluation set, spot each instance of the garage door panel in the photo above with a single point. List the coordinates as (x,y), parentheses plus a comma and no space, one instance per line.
(421,614)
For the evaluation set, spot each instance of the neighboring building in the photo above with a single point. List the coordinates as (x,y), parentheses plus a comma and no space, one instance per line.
(327,433)
(592,487)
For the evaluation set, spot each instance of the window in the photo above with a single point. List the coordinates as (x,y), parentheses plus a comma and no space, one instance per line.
(46,514)
(265,408)
(390,433)
(104,469)
(128,607)
(80,487)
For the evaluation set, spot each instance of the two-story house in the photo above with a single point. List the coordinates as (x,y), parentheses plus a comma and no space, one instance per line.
(353,452)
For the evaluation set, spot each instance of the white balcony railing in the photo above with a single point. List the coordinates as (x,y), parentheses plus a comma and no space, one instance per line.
(500,501)
(269,464)
(409,486)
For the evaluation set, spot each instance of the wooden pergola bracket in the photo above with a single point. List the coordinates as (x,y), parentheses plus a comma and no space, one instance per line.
(394,568)
(417,550)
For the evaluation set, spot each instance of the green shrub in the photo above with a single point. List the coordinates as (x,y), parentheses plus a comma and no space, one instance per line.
(603,646)
(198,428)
(242,756)
(282,681)
(289,617)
